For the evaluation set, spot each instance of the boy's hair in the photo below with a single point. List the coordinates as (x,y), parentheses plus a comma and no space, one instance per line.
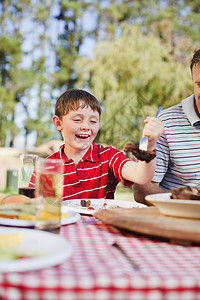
(195,59)
(73,99)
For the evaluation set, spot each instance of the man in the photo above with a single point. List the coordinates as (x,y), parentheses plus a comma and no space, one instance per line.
(178,149)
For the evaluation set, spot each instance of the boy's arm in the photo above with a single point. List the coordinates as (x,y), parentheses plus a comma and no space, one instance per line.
(141,190)
(141,172)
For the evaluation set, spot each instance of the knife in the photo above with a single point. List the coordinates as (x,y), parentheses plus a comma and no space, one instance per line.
(133,263)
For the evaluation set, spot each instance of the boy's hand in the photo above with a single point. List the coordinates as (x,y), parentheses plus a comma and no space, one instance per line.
(153,129)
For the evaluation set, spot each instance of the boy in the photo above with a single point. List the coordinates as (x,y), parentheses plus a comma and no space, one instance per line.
(93,171)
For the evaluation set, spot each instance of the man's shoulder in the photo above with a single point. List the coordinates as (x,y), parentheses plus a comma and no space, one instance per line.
(172,113)
(175,110)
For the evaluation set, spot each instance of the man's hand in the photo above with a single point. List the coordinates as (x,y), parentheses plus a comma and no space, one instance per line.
(141,190)
(153,129)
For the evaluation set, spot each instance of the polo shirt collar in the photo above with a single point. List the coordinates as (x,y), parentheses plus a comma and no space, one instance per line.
(91,155)
(188,108)
(62,154)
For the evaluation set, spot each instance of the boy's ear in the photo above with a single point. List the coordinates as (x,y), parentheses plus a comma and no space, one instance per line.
(57,123)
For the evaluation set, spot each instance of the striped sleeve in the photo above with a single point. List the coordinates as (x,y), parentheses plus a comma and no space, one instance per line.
(162,158)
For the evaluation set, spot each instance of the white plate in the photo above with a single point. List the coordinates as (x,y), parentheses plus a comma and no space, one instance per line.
(72,218)
(97,204)
(175,207)
(54,249)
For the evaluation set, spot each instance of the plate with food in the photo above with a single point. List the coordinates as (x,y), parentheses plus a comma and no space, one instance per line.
(181,202)
(89,206)
(19,210)
(23,249)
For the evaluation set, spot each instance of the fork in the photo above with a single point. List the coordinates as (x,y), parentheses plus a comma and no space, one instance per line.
(144,141)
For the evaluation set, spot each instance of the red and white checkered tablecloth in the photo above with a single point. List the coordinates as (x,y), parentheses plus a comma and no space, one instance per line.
(98,271)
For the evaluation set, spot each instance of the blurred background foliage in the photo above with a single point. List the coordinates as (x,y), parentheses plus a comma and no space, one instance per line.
(132,55)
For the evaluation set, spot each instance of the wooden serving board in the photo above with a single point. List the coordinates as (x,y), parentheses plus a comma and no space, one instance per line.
(149,221)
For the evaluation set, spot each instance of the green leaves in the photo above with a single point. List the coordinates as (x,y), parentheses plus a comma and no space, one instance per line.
(132,76)
(141,60)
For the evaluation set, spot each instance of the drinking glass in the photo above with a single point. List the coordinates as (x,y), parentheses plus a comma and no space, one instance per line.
(27,164)
(49,192)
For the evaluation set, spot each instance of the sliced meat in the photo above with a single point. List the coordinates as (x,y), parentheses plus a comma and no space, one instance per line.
(85,203)
(140,154)
(186,192)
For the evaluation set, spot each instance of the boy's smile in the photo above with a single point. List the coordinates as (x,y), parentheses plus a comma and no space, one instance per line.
(82,136)
(79,129)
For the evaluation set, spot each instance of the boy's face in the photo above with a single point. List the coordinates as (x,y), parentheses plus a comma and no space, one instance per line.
(79,129)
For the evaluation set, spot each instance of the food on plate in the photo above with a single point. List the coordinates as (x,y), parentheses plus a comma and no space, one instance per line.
(91,208)
(113,206)
(10,247)
(140,154)
(85,203)
(186,192)
(11,239)
(7,254)
(9,198)
(105,205)
(17,207)
(9,244)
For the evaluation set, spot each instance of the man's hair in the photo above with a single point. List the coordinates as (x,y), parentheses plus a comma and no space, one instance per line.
(195,59)
(73,99)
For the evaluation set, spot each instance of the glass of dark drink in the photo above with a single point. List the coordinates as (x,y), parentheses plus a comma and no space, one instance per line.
(27,167)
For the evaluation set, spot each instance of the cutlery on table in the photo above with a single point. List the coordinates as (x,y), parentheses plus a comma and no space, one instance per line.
(133,263)
(144,141)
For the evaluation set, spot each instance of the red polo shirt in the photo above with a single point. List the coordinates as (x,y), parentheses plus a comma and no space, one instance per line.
(96,174)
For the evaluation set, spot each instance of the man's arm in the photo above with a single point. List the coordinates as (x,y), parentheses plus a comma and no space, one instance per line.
(141,190)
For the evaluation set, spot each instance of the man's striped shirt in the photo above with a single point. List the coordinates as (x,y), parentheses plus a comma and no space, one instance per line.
(178,150)
(96,174)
